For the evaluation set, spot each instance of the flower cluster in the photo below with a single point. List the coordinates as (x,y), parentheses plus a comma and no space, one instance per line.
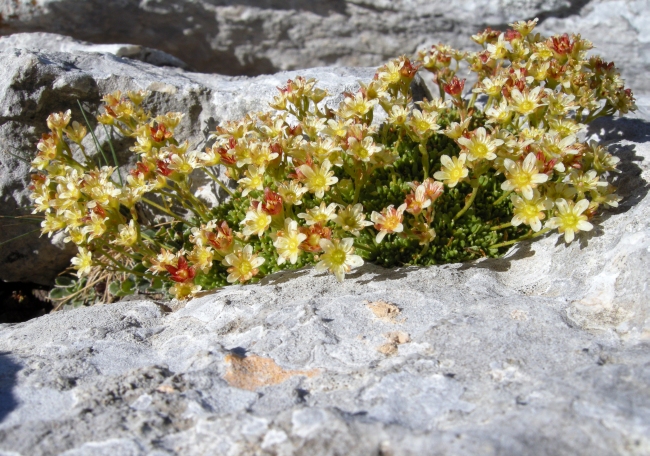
(457,177)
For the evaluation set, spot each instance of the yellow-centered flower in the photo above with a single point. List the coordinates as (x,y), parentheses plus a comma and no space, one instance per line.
(338,257)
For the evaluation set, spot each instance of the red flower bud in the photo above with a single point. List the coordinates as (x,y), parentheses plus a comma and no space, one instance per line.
(455,87)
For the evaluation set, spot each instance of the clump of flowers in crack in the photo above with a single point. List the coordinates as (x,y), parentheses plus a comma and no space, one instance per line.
(461,176)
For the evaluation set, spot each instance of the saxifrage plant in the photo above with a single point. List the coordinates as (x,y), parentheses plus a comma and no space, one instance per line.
(380,179)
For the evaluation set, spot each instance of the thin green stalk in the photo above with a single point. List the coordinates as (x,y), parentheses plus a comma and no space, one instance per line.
(19,236)
(503,225)
(122,268)
(425,158)
(468,203)
(501,198)
(123,252)
(362,247)
(157,243)
(221,184)
(22,217)
(17,224)
(521,238)
(424,250)
(83,151)
(160,208)
(85,288)
(197,205)
(191,207)
(110,144)
(471,101)
(92,133)
(357,191)
(19,157)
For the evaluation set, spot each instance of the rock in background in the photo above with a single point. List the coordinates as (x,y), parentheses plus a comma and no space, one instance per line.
(265,36)
(545,351)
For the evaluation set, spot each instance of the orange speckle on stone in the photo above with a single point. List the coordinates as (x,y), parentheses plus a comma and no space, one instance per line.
(252,372)
(384,311)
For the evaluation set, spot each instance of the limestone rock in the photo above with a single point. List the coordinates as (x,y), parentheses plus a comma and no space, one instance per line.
(266,36)
(34,84)
(59,43)
(544,351)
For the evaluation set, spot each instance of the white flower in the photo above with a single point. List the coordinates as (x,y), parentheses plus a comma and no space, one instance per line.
(453,170)
(338,257)
(319,214)
(523,177)
(569,218)
(256,222)
(288,242)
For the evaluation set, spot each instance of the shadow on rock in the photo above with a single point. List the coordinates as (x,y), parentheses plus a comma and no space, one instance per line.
(378,274)
(520,251)
(8,370)
(629,183)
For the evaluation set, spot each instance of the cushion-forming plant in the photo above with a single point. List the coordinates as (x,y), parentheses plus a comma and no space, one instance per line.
(458,177)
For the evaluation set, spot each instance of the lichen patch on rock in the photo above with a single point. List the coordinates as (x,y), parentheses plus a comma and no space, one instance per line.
(384,311)
(252,372)
(394,339)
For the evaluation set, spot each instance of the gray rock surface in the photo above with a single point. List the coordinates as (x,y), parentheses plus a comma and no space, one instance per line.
(543,352)
(34,84)
(41,41)
(266,36)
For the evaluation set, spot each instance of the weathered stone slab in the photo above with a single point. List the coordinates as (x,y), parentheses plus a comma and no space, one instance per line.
(255,37)
(542,352)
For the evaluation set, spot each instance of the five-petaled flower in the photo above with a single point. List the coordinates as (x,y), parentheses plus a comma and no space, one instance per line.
(338,257)
(243,264)
(570,219)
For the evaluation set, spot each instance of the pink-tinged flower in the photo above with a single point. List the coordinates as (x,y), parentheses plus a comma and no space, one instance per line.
(417,200)
(389,221)
(455,87)
(314,235)
(272,204)
(223,239)
(433,188)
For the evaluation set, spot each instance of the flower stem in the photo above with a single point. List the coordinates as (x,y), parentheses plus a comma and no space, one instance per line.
(425,158)
(503,225)
(468,204)
(221,184)
(530,235)
(160,208)
(501,198)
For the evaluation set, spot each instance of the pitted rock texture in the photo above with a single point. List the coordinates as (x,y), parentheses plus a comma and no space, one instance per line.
(34,84)
(265,36)
(545,351)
